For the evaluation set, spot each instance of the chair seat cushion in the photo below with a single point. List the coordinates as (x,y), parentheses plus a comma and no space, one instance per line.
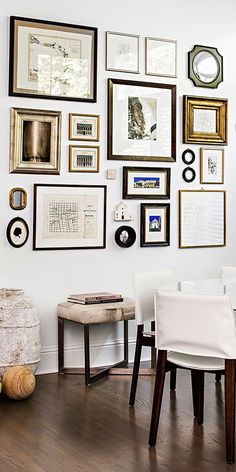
(97,313)
(196,362)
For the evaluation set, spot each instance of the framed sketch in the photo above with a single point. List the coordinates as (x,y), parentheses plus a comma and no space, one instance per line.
(146,182)
(141,121)
(84,158)
(211,166)
(155,224)
(84,127)
(69,217)
(52,60)
(205,120)
(202,220)
(161,57)
(122,52)
(17,232)
(35,146)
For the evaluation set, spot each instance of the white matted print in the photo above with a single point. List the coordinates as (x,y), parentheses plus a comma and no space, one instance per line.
(161,57)
(211,166)
(84,127)
(155,221)
(122,52)
(84,158)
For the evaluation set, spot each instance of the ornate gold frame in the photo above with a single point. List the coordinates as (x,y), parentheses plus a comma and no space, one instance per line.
(11,198)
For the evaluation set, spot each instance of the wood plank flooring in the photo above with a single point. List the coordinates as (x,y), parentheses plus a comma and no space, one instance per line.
(67,427)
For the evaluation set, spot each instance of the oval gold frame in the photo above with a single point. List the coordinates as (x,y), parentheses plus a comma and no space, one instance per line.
(11,198)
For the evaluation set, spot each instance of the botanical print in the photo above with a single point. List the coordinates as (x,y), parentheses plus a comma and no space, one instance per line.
(212,165)
(204,120)
(36,141)
(146,182)
(142,118)
(154,223)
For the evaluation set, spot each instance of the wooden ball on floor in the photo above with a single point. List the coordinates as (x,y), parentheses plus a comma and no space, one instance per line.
(18,382)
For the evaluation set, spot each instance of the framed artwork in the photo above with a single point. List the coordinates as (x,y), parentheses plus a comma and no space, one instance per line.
(141,121)
(146,182)
(35,146)
(205,66)
(69,217)
(125,236)
(188,174)
(211,166)
(84,127)
(122,52)
(155,224)
(18,198)
(161,57)
(52,60)
(205,120)
(202,220)
(17,232)
(84,158)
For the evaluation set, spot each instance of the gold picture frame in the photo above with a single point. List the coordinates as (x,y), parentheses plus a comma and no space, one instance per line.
(35,142)
(83,127)
(205,120)
(87,158)
(211,166)
(18,198)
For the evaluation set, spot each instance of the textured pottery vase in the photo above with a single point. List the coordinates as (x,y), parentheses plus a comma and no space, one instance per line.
(19,331)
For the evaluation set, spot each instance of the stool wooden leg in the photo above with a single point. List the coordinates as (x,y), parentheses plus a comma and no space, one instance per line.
(86,354)
(60,345)
(126,342)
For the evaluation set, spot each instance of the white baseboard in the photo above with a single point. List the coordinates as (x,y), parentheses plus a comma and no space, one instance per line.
(100,355)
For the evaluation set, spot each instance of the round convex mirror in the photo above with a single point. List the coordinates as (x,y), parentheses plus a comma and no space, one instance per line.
(18,198)
(205,67)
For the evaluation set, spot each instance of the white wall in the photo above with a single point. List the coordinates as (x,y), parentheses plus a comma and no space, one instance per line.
(48,277)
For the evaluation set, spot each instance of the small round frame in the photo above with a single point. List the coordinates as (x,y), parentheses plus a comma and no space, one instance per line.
(125,236)
(205,66)
(185,173)
(185,158)
(17,232)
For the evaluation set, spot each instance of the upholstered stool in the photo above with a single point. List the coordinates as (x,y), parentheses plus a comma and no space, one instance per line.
(87,315)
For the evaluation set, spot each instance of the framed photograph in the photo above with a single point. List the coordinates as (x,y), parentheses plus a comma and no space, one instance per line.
(84,158)
(125,236)
(84,127)
(35,146)
(202,220)
(146,182)
(69,217)
(52,60)
(17,232)
(161,57)
(211,166)
(122,52)
(155,224)
(141,121)
(205,120)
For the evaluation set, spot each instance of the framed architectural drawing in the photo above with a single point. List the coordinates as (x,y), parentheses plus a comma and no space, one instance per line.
(84,159)
(146,182)
(69,217)
(52,60)
(202,220)
(35,146)
(122,52)
(205,120)
(141,121)
(211,166)
(84,127)
(155,224)
(161,57)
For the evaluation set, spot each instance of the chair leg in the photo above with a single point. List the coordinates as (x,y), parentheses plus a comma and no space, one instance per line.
(157,396)
(198,394)
(137,357)
(173,379)
(230,409)
(218,377)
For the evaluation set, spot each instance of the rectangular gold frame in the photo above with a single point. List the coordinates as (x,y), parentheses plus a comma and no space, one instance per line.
(201,166)
(180,218)
(71,115)
(220,105)
(84,147)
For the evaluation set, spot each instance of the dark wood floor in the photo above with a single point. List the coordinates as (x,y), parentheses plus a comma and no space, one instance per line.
(67,427)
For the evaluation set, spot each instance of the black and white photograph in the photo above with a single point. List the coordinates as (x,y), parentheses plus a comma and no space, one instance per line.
(84,127)
(142,118)
(84,158)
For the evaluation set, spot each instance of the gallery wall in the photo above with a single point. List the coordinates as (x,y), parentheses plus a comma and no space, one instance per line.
(48,277)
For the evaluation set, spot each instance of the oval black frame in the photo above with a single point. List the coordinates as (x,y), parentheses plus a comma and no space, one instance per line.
(188,151)
(131,239)
(189,169)
(9,226)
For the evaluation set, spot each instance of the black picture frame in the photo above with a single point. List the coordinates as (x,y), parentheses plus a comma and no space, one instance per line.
(53,24)
(131,236)
(186,160)
(146,170)
(186,171)
(21,222)
(143,223)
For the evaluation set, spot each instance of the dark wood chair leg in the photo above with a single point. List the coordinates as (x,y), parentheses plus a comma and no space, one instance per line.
(153,350)
(218,377)
(137,357)
(157,397)
(173,379)
(230,409)
(126,341)
(60,345)
(198,394)
(86,354)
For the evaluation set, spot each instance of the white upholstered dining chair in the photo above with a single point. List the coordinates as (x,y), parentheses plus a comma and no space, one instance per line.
(145,285)
(196,332)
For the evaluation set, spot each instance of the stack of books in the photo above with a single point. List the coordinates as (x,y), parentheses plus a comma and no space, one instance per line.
(91,298)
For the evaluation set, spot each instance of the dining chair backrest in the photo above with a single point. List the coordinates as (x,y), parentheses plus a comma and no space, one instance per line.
(228,272)
(145,284)
(201,325)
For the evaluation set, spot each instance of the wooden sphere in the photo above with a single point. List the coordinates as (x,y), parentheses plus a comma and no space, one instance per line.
(18,382)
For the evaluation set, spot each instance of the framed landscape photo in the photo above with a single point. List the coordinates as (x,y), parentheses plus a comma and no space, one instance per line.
(146,182)
(84,158)
(84,127)
(122,52)
(205,120)
(69,217)
(52,60)
(155,224)
(161,57)
(211,166)
(141,121)
(35,145)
